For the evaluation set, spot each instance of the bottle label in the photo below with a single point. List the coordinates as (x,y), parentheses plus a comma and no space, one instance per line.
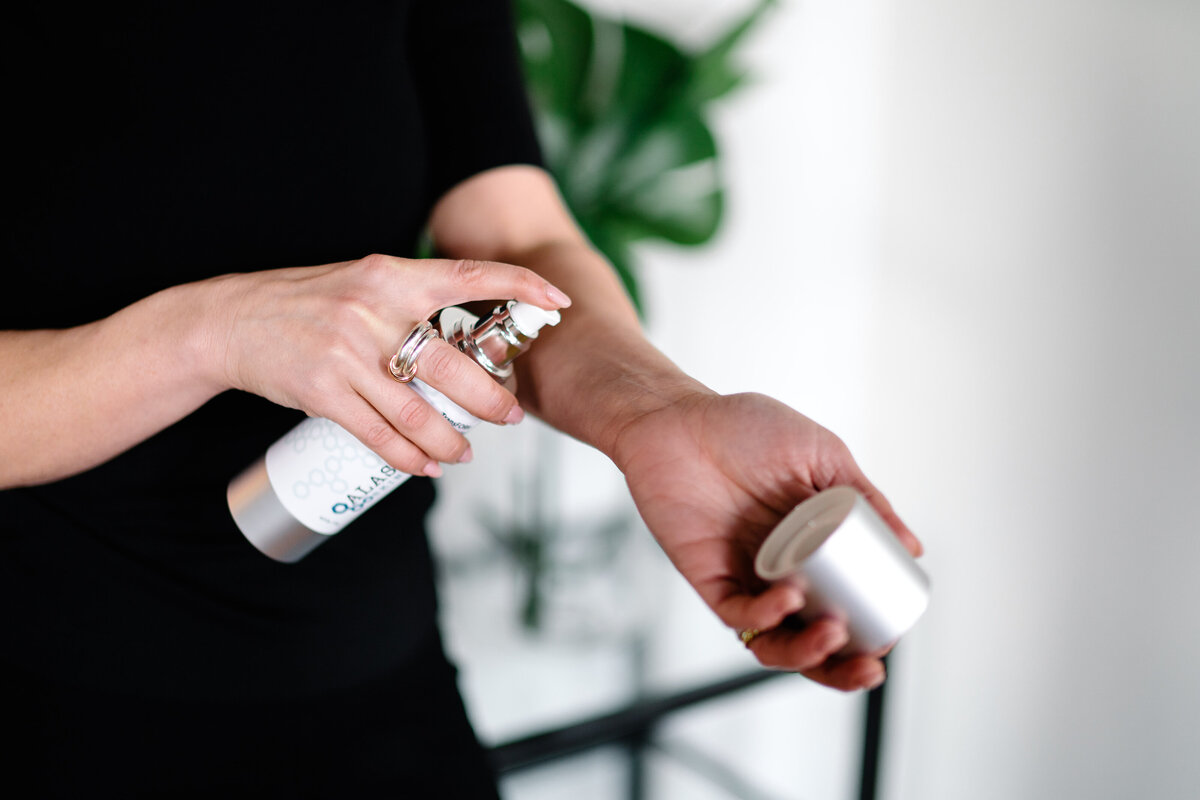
(456,415)
(325,477)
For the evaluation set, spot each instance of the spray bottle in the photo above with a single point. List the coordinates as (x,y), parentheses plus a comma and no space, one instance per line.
(318,478)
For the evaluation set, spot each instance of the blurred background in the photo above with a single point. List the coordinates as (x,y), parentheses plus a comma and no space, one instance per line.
(963,235)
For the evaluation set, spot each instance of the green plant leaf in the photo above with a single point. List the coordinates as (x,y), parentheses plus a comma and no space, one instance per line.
(654,74)
(556,44)
(621,114)
(667,180)
(714,74)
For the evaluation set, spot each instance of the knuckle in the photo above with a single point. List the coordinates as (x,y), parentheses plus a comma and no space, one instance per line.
(375,262)
(413,413)
(378,435)
(495,403)
(440,364)
(446,452)
(532,281)
(839,446)
(834,445)
(466,271)
(376,271)
(527,281)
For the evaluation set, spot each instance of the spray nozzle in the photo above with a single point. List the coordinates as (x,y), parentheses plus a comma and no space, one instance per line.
(529,319)
(494,341)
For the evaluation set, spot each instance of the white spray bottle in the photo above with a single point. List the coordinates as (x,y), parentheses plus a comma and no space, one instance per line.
(318,478)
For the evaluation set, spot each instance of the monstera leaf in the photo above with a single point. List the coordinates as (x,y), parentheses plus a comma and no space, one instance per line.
(621,115)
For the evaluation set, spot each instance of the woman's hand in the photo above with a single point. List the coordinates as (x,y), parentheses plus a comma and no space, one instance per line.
(319,339)
(711,476)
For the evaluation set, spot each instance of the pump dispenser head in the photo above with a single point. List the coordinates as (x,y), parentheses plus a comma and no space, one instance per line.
(498,339)
(530,319)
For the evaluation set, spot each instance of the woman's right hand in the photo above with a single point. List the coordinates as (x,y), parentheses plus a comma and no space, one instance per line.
(319,339)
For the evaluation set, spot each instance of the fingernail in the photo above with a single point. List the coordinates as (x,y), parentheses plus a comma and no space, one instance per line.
(556,296)
(466,456)
(876,680)
(433,469)
(516,415)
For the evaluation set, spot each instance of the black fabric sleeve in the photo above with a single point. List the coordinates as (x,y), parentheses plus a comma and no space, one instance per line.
(471,89)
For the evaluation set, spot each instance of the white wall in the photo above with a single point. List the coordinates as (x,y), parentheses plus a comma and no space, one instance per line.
(1038,382)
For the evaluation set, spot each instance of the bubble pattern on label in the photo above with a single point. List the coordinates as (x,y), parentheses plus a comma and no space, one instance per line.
(343,453)
(325,477)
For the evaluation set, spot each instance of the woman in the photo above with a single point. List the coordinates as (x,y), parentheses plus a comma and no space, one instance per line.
(178,170)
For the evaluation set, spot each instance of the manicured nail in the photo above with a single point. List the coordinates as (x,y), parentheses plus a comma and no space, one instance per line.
(556,296)
(433,469)
(466,456)
(516,415)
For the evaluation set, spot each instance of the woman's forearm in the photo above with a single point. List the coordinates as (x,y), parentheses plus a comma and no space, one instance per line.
(596,372)
(71,399)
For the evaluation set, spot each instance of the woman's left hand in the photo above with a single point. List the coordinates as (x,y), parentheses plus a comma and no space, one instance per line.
(711,476)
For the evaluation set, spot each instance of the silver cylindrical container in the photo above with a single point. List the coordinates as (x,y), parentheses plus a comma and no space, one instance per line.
(850,565)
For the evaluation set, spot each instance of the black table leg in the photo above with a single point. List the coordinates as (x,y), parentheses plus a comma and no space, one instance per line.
(872,742)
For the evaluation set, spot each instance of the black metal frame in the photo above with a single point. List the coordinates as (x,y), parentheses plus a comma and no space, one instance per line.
(634,725)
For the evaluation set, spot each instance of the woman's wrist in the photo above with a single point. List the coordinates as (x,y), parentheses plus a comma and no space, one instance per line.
(596,374)
(646,403)
(196,339)
(595,384)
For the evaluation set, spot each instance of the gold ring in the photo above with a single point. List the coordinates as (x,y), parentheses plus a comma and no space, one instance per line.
(747,636)
(403,365)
